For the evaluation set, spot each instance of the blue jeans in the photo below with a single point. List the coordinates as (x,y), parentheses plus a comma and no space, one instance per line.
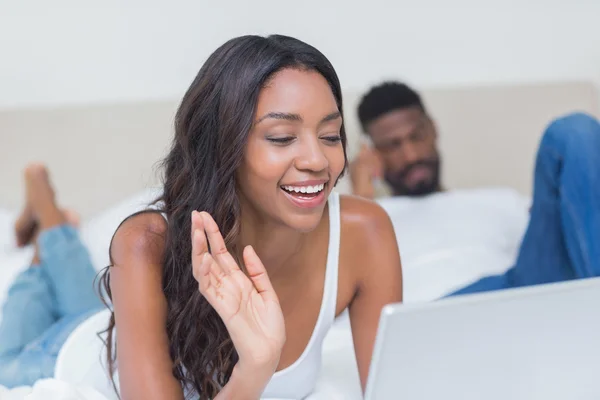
(44,305)
(562,241)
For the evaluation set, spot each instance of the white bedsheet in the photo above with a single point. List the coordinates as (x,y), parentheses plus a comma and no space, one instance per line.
(50,389)
(53,389)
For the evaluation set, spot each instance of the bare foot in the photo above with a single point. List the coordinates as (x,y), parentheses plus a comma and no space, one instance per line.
(39,188)
(41,210)
(26,223)
(25,226)
(41,197)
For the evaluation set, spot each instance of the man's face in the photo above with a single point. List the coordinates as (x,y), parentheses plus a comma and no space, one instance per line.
(406,141)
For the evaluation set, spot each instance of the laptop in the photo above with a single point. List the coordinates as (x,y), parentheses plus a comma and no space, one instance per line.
(540,342)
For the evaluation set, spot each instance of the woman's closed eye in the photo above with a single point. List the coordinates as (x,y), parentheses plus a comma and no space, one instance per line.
(281,139)
(284,140)
(334,139)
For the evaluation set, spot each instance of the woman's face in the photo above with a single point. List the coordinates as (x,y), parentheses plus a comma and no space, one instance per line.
(294,153)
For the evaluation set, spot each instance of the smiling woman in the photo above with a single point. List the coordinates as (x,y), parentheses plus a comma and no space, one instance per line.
(229,291)
(240,307)
(295,147)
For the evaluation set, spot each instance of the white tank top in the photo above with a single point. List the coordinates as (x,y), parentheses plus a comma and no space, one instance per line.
(298,380)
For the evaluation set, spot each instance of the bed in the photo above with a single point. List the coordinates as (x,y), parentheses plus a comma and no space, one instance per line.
(103,157)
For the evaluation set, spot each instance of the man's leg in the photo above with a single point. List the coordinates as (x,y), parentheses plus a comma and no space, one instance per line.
(37,359)
(65,260)
(562,240)
(29,307)
(69,271)
(27,312)
(48,300)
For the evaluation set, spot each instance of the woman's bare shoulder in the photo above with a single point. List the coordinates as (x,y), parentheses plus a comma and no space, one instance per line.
(140,236)
(358,214)
(366,230)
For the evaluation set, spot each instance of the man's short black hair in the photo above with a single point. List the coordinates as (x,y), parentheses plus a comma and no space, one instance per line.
(386,97)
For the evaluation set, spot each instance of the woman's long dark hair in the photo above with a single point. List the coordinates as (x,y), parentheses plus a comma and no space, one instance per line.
(211,131)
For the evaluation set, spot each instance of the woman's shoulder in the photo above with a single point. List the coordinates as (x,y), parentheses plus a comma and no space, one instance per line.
(365,226)
(358,213)
(368,250)
(140,236)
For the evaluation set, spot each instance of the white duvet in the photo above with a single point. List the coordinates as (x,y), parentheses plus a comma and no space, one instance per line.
(51,389)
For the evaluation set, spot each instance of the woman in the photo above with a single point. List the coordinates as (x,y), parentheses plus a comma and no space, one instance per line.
(51,297)
(230,294)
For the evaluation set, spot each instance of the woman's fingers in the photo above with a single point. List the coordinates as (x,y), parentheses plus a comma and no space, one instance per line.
(202,274)
(200,245)
(218,249)
(258,275)
(204,268)
(222,264)
(209,275)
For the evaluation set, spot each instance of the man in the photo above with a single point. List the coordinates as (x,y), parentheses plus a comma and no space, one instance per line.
(404,138)
(459,236)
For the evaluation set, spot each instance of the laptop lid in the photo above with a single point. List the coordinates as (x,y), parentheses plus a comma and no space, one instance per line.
(539,342)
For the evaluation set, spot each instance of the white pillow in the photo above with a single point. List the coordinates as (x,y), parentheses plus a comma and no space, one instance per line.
(7,239)
(450,239)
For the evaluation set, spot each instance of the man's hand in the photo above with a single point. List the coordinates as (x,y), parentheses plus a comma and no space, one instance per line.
(364,169)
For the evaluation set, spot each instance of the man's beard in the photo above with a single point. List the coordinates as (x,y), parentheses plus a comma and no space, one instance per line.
(397,180)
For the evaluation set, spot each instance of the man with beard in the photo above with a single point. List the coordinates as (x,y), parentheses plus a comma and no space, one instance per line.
(404,141)
(453,239)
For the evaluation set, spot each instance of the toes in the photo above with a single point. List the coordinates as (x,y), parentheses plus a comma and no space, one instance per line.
(36,170)
(72,217)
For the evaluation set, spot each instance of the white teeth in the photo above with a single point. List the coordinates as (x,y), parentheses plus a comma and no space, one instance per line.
(305,189)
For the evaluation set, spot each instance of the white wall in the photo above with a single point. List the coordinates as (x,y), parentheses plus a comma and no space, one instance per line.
(70,51)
